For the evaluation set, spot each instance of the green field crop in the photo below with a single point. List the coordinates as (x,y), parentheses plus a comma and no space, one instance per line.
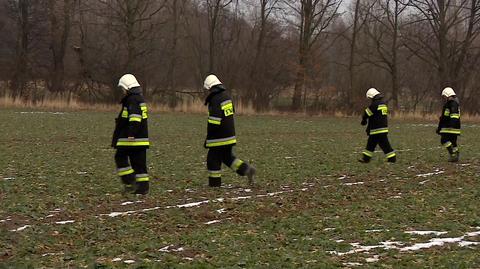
(313,206)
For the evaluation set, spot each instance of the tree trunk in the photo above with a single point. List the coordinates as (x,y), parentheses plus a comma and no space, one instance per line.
(351,64)
(19,79)
(60,33)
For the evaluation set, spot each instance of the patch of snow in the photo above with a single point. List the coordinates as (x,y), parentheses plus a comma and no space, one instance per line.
(167,249)
(352,264)
(353,183)
(375,230)
(192,204)
(65,222)
(343,177)
(436,172)
(129,261)
(116,259)
(8,178)
(468,243)
(20,228)
(425,232)
(423,182)
(221,210)
(212,222)
(373,259)
(130,202)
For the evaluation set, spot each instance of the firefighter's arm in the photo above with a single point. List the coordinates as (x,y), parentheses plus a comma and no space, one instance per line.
(215,114)
(454,112)
(134,118)
(366,114)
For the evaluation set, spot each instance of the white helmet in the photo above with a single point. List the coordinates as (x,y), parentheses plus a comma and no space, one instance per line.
(211,81)
(448,92)
(128,81)
(372,92)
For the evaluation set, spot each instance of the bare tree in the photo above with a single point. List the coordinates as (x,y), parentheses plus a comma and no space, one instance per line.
(22,10)
(313,17)
(443,35)
(60,13)
(383,28)
(214,8)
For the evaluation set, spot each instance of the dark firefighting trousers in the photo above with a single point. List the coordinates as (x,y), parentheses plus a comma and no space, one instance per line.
(449,141)
(223,154)
(132,165)
(382,141)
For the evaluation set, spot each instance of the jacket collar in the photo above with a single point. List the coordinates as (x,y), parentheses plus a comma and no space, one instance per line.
(132,91)
(214,91)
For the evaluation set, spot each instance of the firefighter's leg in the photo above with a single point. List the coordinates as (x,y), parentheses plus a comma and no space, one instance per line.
(387,148)
(455,154)
(214,167)
(138,158)
(447,143)
(241,167)
(367,154)
(455,148)
(124,169)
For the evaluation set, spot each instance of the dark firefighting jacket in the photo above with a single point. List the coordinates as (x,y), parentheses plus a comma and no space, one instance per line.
(132,122)
(376,114)
(450,118)
(221,125)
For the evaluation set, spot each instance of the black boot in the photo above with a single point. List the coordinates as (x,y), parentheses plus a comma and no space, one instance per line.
(392,159)
(128,184)
(214,181)
(454,157)
(142,187)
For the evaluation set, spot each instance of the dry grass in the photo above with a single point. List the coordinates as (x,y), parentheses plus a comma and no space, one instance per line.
(196,107)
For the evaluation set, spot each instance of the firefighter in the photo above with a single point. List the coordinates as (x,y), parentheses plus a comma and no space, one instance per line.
(130,138)
(449,125)
(377,129)
(221,134)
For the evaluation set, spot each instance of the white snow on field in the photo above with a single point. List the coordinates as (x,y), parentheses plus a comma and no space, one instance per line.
(425,232)
(129,261)
(353,183)
(212,222)
(20,228)
(8,178)
(400,246)
(373,259)
(116,259)
(436,172)
(357,248)
(64,222)
(352,264)
(5,220)
(375,230)
(131,202)
(170,248)
(216,221)
(423,182)
(221,210)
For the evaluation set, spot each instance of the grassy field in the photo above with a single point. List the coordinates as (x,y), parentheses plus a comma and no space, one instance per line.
(314,205)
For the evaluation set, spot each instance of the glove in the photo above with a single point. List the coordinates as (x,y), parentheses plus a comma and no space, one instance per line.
(364,122)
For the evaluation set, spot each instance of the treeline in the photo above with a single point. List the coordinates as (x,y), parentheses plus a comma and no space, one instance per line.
(316,55)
